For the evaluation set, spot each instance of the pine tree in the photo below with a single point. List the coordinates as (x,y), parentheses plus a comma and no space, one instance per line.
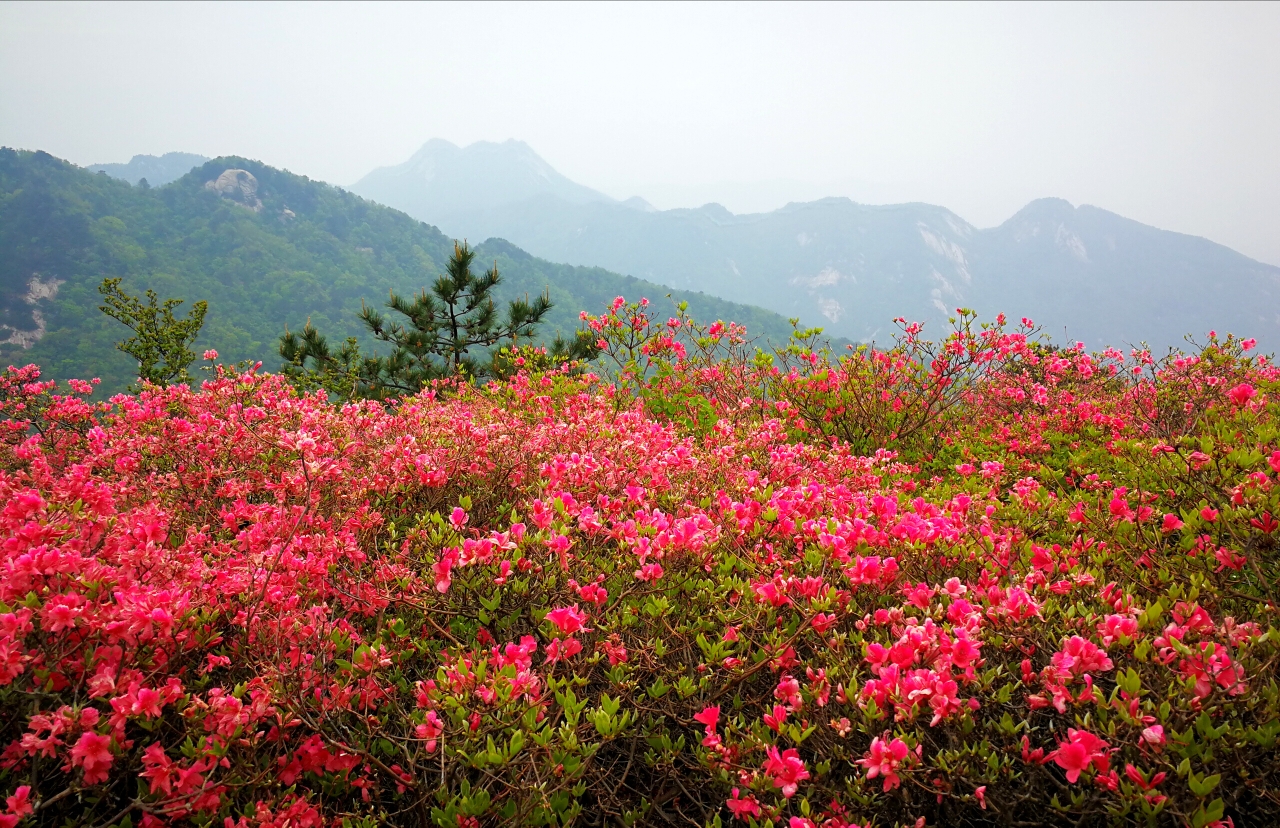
(442,335)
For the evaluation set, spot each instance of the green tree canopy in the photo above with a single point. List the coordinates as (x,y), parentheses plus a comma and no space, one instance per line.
(160,342)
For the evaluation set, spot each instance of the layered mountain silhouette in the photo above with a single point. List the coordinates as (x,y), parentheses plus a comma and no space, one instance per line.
(266,248)
(1082,272)
(158,170)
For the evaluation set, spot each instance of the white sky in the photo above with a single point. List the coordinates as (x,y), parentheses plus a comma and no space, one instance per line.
(1169,114)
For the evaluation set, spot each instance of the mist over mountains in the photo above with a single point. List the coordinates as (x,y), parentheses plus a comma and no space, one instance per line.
(853,268)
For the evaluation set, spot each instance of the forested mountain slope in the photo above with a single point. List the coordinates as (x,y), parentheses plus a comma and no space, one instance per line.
(265,247)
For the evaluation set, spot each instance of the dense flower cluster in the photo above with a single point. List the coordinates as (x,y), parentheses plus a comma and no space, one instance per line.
(689,592)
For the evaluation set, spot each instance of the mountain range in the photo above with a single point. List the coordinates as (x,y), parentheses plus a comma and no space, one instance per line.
(1082,272)
(158,170)
(267,249)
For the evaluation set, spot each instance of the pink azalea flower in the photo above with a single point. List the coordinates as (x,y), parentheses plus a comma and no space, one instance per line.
(744,807)
(708,716)
(1079,656)
(442,569)
(1081,750)
(884,759)
(20,803)
(1241,394)
(823,622)
(93,753)
(430,730)
(560,650)
(787,770)
(649,572)
(560,544)
(616,652)
(788,691)
(568,620)
(1113,627)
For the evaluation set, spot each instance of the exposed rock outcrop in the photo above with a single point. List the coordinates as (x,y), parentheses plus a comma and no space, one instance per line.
(37,290)
(239,186)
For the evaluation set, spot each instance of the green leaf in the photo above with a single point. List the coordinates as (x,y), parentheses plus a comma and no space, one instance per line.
(1203,787)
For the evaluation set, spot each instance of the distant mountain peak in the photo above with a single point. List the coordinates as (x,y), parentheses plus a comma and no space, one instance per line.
(442,179)
(442,148)
(638,203)
(716,210)
(1050,202)
(1044,209)
(436,144)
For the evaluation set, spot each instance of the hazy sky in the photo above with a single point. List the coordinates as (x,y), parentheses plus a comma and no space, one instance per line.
(1169,114)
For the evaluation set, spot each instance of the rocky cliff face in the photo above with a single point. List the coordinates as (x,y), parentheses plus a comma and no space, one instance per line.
(39,289)
(239,186)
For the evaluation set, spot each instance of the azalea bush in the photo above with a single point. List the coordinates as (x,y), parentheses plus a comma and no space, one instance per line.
(908,396)
(675,593)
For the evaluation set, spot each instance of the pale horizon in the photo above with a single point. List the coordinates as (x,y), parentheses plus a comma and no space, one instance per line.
(1162,113)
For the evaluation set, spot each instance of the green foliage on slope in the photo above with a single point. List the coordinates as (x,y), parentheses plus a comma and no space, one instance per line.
(265,257)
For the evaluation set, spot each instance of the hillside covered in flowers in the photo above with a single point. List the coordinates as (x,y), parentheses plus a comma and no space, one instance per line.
(978,581)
